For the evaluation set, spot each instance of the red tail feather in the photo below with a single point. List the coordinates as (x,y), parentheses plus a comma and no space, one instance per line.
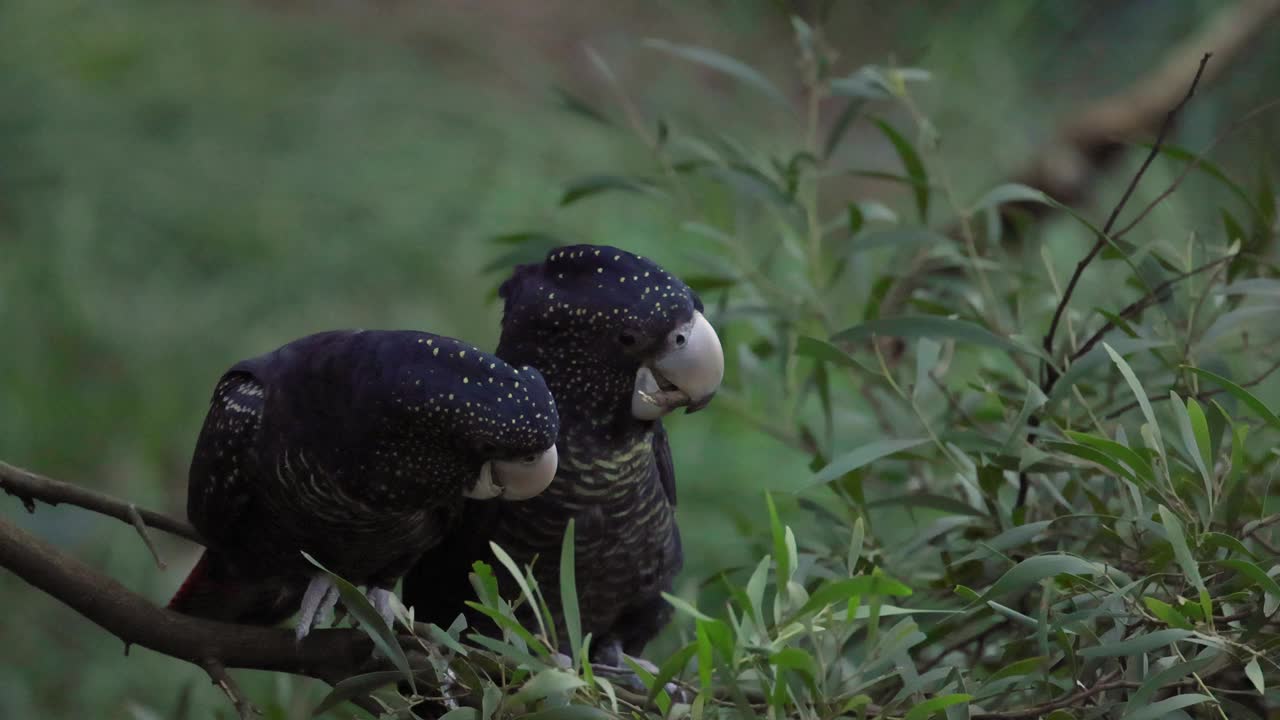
(214,591)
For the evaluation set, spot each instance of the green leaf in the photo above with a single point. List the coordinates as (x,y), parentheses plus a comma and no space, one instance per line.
(1254,672)
(371,622)
(795,659)
(1125,454)
(548,683)
(930,326)
(1164,707)
(865,83)
(1186,415)
(506,650)
(705,659)
(357,686)
(897,238)
(1010,193)
(723,63)
(1240,393)
(841,125)
(578,106)
(673,666)
(1203,165)
(1181,551)
(856,538)
(912,164)
(1138,644)
(1259,576)
(931,501)
(1167,676)
(1034,400)
(686,607)
(861,456)
(1168,614)
(780,553)
(462,713)
(839,591)
(596,184)
(1011,538)
(926,709)
(1200,429)
(1093,455)
(1136,387)
(518,576)
(824,351)
(569,595)
(1018,668)
(1039,567)
(1226,542)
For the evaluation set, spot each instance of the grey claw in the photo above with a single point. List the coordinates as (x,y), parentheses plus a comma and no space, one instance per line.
(317,605)
(382,600)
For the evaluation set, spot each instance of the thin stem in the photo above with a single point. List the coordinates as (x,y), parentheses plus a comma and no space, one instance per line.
(1103,236)
(30,487)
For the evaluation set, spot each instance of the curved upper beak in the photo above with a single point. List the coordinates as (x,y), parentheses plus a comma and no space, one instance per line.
(686,373)
(516,479)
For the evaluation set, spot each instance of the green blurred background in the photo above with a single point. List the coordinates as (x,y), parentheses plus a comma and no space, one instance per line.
(183,184)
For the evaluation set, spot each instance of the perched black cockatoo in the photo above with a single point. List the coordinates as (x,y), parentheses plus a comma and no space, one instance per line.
(358,448)
(621,343)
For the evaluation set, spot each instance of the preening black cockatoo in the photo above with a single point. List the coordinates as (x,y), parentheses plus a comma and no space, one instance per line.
(621,343)
(359,448)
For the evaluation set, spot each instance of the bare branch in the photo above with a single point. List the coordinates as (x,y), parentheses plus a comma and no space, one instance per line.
(323,654)
(30,487)
(223,680)
(1195,162)
(1134,309)
(1104,236)
(1271,369)
(138,524)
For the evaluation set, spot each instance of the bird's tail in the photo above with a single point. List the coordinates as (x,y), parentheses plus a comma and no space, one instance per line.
(213,590)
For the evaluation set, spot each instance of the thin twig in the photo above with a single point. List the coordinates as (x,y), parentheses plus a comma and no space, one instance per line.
(30,487)
(1195,162)
(1159,293)
(1200,395)
(1108,682)
(1105,234)
(136,518)
(244,709)
(1050,373)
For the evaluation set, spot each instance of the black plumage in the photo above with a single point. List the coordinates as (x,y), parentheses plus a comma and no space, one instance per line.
(594,320)
(356,447)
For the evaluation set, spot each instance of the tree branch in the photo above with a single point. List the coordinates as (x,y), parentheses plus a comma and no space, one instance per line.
(1103,237)
(1050,373)
(323,654)
(1134,309)
(30,487)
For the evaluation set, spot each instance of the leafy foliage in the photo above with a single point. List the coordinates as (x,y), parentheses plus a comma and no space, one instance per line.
(988,531)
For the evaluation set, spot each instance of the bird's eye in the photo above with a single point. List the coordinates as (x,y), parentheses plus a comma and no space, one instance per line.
(529,459)
(681,339)
(627,339)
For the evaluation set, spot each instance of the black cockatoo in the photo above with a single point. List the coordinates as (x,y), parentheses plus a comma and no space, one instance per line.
(621,343)
(359,448)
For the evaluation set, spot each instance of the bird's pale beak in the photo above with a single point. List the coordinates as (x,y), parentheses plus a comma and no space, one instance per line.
(686,373)
(516,479)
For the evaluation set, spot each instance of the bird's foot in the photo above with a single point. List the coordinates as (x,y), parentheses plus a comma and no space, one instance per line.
(317,605)
(384,601)
(624,675)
